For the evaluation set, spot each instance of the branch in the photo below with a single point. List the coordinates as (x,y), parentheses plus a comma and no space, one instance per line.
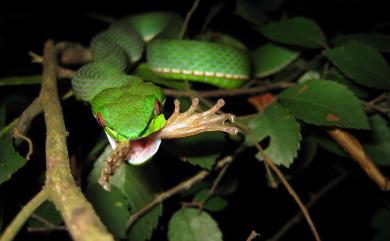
(291,191)
(188,17)
(185,185)
(230,92)
(352,146)
(78,214)
(314,199)
(14,227)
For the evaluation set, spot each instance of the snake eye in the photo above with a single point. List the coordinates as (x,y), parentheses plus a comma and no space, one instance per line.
(157,107)
(100,119)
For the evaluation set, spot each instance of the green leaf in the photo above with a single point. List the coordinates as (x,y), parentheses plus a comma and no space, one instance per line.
(112,208)
(214,203)
(377,142)
(337,76)
(323,102)
(206,162)
(201,150)
(309,75)
(48,212)
(21,80)
(10,160)
(271,58)
(190,224)
(248,10)
(296,31)
(362,63)
(375,40)
(139,184)
(282,128)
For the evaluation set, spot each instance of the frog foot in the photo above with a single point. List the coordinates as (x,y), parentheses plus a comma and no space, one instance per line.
(191,123)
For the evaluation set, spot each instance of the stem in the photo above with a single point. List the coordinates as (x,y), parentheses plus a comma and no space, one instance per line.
(230,92)
(313,200)
(78,214)
(352,146)
(291,191)
(188,17)
(185,185)
(14,227)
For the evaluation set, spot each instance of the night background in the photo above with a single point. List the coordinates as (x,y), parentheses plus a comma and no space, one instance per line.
(345,212)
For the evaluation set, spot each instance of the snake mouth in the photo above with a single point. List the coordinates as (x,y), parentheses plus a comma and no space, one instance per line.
(141,150)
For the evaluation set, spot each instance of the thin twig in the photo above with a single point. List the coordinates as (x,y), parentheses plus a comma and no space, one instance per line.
(46,229)
(216,182)
(353,147)
(291,191)
(185,185)
(14,227)
(188,17)
(313,200)
(231,92)
(167,194)
(78,214)
(17,134)
(24,121)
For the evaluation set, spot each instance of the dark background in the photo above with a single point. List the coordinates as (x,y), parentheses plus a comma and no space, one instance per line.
(343,214)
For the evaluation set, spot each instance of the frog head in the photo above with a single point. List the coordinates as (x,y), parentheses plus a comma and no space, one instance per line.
(131,113)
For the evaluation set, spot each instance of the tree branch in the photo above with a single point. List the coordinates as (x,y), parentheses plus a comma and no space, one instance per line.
(188,17)
(78,214)
(313,200)
(185,185)
(230,92)
(291,191)
(353,147)
(14,227)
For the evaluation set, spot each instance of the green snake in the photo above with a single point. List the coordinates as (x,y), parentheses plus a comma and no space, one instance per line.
(127,107)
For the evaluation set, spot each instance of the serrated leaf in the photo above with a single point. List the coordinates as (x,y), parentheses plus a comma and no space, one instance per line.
(284,132)
(214,203)
(10,160)
(362,63)
(112,208)
(202,150)
(21,80)
(337,76)
(375,40)
(377,142)
(296,31)
(139,185)
(271,58)
(190,224)
(206,162)
(323,102)
(48,212)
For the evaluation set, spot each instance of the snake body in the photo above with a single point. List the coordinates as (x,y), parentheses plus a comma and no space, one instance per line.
(123,43)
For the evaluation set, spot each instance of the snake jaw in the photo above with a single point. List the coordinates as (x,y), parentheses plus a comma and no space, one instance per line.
(191,123)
